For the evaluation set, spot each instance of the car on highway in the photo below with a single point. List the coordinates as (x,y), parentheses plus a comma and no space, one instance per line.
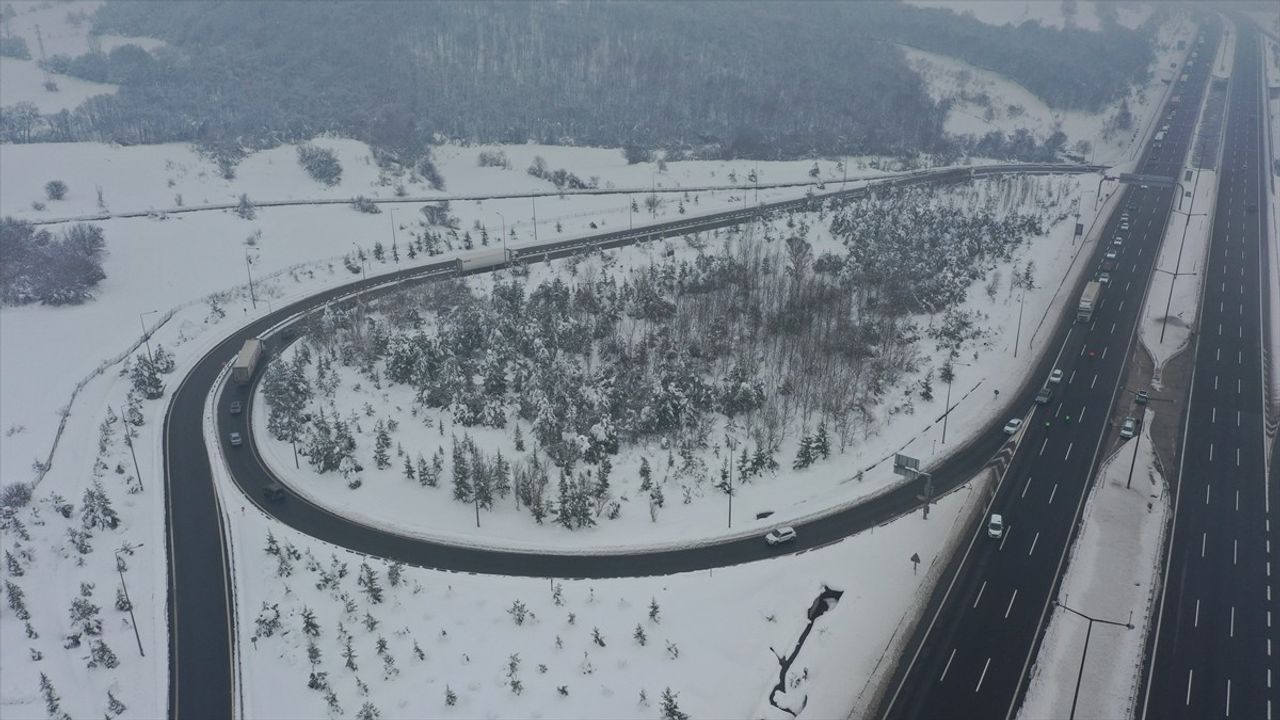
(780,535)
(1044,396)
(995,526)
(236,407)
(235,439)
(1124,225)
(273,492)
(1104,278)
(1055,377)
(1111,254)
(1142,397)
(1129,427)
(1117,241)
(1012,426)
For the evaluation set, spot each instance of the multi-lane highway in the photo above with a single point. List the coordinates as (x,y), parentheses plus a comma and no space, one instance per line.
(200,590)
(972,655)
(1216,644)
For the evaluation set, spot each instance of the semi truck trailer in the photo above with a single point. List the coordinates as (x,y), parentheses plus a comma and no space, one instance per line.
(247,360)
(1088,301)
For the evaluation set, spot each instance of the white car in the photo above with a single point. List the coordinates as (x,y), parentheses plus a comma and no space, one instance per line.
(1111,254)
(235,439)
(1129,427)
(1012,426)
(1055,377)
(1124,226)
(995,526)
(780,535)
(1104,278)
(1117,241)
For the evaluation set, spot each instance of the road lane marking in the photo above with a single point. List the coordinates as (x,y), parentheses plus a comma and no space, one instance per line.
(979,598)
(1053,492)
(1073,372)
(948,667)
(1213,415)
(1232,631)
(1204,539)
(1095,381)
(1189,674)
(1044,445)
(1228,697)
(983,676)
(1235,559)
(1196,621)
(1007,530)
(1011,599)
(1206,494)
(1210,452)
(1037,537)
(1068,455)
(1025,488)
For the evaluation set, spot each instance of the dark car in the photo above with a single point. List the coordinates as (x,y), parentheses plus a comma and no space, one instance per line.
(273,492)
(236,407)
(1044,396)
(1142,397)
(235,439)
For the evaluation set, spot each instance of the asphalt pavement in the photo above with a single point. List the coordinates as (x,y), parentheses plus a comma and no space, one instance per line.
(1213,651)
(972,656)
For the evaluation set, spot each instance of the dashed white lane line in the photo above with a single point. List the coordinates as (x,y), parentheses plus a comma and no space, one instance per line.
(1204,540)
(1068,455)
(1053,492)
(1037,537)
(1025,488)
(1195,622)
(983,676)
(948,665)
(1190,673)
(979,598)
(1011,599)
(1232,631)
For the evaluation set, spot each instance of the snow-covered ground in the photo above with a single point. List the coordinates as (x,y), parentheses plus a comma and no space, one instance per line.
(716,643)
(1046,12)
(911,424)
(1111,576)
(1271,74)
(1184,250)
(1008,106)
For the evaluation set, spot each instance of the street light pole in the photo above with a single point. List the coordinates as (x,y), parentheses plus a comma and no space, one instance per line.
(146,334)
(504,233)
(392,214)
(128,440)
(132,620)
(1022,303)
(1169,302)
(535,219)
(946,412)
(1089,631)
(248,268)
(359,252)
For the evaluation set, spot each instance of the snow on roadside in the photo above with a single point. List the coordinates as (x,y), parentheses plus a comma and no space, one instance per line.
(1271,205)
(1184,250)
(715,643)
(1111,576)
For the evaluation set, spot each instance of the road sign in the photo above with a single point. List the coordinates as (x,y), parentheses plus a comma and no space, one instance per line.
(1159,180)
(905,465)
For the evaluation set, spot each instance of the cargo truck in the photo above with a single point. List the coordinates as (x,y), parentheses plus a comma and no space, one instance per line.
(482,260)
(1088,301)
(247,360)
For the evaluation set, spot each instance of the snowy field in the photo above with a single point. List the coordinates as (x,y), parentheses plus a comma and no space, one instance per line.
(1111,575)
(1009,106)
(716,642)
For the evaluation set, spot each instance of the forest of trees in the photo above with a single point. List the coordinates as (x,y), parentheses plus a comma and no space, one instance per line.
(755,327)
(38,266)
(762,80)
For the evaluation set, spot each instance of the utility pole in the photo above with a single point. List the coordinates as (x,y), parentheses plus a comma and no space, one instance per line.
(248,268)
(1018,336)
(132,620)
(946,413)
(504,236)
(128,440)
(535,219)
(392,213)
(146,334)
(1134,462)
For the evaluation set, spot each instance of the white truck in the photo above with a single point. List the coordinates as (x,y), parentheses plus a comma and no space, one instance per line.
(246,360)
(1088,301)
(481,260)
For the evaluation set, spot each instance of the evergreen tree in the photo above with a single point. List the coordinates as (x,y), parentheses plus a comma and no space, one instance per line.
(379,253)
(461,484)
(114,706)
(17,602)
(51,699)
(163,360)
(821,442)
(601,489)
(102,654)
(670,709)
(12,565)
(519,439)
(804,456)
(395,573)
(382,442)
(368,581)
(96,510)
(145,378)
(564,504)
(409,474)
(287,391)
(349,655)
(501,473)
(646,475)
(745,469)
(639,635)
(84,616)
(310,627)
(481,477)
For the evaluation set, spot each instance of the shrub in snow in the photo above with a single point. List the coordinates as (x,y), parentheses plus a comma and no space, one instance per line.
(670,708)
(55,190)
(246,209)
(15,495)
(37,266)
(365,205)
(450,697)
(320,163)
(518,612)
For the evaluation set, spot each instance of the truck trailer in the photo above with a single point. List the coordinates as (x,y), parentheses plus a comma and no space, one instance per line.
(481,260)
(1088,301)
(247,360)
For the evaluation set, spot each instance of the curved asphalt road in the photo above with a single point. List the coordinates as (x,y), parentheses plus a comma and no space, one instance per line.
(200,617)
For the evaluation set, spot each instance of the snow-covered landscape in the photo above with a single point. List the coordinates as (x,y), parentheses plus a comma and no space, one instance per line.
(605,403)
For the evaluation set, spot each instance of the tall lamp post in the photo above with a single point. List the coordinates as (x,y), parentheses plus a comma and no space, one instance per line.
(132,620)
(731,444)
(1129,626)
(503,218)
(359,252)
(949,367)
(248,268)
(392,214)
(146,334)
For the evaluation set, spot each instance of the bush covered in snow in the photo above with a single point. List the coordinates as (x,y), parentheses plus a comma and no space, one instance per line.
(320,163)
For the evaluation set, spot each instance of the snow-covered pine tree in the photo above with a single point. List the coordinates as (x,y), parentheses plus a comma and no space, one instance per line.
(461,482)
(646,475)
(96,510)
(409,473)
(145,378)
(822,442)
(368,581)
(670,708)
(804,456)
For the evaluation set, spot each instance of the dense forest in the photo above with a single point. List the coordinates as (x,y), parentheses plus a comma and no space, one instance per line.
(763,80)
